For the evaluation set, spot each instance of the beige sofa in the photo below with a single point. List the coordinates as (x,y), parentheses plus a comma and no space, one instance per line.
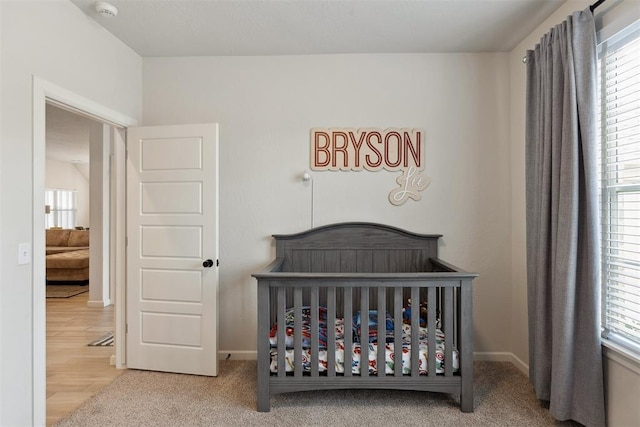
(65,240)
(67,255)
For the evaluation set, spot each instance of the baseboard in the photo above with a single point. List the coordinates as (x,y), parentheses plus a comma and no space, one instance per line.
(502,357)
(98,303)
(237,355)
(523,367)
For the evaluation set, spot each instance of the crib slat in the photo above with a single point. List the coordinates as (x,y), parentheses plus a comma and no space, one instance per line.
(282,327)
(331,331)
(297,327)
(415,331)
(264,353)
(364,331)
(447,327)
(348,332)
(382,330)
(313,359)
(456,319)
(466,346)
(431,328)
(397,332)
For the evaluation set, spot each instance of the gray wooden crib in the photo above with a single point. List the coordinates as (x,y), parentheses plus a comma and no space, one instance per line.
(341,271)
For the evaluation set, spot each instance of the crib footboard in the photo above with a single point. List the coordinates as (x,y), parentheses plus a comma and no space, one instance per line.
(342,331)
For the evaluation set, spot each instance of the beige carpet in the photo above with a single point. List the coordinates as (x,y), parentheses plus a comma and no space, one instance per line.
(503,397)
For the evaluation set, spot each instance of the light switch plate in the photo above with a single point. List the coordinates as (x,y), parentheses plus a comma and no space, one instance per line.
(24,253)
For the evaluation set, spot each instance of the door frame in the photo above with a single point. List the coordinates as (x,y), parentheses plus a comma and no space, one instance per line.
(43,92)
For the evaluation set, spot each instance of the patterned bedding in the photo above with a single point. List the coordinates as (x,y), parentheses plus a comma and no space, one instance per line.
(356,346)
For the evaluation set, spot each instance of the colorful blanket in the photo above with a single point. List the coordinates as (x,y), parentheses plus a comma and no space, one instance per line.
(373,359)
(356,346)
(306,328)
(339,328)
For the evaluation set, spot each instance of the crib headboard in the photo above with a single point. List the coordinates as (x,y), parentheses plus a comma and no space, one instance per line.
(357,247)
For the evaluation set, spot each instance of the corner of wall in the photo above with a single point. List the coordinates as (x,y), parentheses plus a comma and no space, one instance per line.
(502,357)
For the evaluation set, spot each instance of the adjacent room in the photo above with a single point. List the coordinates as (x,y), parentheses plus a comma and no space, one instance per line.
(236,188)
(79,329)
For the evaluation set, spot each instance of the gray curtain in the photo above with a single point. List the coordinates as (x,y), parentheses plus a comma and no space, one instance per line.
(563,254)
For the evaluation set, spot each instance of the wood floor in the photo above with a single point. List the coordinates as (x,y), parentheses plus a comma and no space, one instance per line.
(75,371)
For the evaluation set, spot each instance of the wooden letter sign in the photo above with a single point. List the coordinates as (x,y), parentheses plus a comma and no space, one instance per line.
(348,149)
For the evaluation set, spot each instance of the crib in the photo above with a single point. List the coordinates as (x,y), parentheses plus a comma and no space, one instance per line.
(329,285)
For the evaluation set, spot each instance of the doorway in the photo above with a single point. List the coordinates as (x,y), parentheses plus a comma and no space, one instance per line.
(159,154)
(47,93)
(78,305)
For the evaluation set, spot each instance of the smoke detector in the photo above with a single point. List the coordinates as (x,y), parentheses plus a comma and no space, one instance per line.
(105,9)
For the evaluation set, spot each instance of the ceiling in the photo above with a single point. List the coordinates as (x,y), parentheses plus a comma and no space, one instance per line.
(299,27)
(67,136)
(306,27)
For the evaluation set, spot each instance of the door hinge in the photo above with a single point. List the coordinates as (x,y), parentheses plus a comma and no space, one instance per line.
(126,328)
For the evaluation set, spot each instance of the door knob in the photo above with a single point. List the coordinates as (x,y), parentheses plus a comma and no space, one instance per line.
(208,263)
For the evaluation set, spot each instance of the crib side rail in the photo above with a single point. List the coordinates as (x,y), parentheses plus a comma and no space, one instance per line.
(449,300)
(361,277)
(445,301)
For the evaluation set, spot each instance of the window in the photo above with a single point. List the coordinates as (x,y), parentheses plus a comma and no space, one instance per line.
(60,208)
(619,76)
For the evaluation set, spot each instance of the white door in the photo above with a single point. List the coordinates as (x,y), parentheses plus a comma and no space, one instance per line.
(172,249)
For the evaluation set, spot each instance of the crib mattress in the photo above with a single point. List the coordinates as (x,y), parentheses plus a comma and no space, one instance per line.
(390,358)
(358,338)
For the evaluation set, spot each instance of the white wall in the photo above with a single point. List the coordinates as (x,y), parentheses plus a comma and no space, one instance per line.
(99,256)
(622,375)
(64,175)
(55,41)
(266,107)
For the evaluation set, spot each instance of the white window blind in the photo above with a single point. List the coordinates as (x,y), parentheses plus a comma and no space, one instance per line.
(60,208)
(619,71)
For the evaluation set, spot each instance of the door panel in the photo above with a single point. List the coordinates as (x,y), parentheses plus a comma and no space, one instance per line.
(159,285)
(171,241)
(172,228)
(187,197)
(171,153)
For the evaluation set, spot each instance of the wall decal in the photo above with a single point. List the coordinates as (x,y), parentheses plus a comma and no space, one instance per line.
(373,149)
(411,182)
